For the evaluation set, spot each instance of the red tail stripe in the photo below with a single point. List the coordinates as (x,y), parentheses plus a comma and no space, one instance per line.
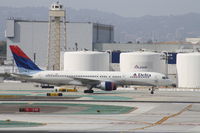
(16,50)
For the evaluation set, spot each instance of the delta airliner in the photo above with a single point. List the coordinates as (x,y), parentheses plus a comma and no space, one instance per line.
(105,80)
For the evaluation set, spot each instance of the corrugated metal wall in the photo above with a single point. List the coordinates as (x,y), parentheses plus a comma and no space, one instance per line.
(32,37)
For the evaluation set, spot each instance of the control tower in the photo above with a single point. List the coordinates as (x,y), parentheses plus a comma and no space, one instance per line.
(57,35)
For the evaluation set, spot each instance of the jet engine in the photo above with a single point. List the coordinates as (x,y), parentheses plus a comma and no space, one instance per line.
(107,86)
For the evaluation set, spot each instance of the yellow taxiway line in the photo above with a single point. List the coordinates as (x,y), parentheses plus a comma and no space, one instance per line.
(161,121)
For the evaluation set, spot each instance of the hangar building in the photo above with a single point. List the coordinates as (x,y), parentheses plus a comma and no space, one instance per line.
(32,37)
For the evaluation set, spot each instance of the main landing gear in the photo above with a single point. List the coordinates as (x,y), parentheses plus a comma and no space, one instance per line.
(89,89)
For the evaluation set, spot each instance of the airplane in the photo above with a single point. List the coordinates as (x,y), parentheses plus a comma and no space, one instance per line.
(104,80)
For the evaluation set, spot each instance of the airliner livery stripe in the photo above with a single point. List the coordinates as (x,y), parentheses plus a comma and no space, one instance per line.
(16,50)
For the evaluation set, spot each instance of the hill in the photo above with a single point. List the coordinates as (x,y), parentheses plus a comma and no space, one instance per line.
(144,29)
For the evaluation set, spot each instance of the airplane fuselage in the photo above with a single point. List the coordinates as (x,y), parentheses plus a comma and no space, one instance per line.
(104,80)
(120,78)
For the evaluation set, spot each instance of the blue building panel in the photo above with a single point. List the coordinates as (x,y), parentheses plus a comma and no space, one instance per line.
(116,56)
(172,58)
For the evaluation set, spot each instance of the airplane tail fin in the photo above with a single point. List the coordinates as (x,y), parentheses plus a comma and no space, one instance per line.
(24,63)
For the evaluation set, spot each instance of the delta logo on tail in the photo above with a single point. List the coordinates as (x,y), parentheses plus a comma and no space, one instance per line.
(24,63)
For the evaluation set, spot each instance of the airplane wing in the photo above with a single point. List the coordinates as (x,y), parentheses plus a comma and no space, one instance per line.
(88,81)
(92,81)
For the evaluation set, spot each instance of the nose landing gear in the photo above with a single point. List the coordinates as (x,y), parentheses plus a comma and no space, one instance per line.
(152,90)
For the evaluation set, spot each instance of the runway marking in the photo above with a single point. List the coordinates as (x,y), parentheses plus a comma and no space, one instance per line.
(164,119)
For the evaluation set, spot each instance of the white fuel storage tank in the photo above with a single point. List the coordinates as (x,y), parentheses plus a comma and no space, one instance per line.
(188,70)
(86,61)
(142,61)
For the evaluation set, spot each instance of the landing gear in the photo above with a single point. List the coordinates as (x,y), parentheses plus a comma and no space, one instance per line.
(152,90)
(88,91)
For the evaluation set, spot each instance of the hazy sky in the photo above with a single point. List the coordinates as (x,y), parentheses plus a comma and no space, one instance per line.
(128,8)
